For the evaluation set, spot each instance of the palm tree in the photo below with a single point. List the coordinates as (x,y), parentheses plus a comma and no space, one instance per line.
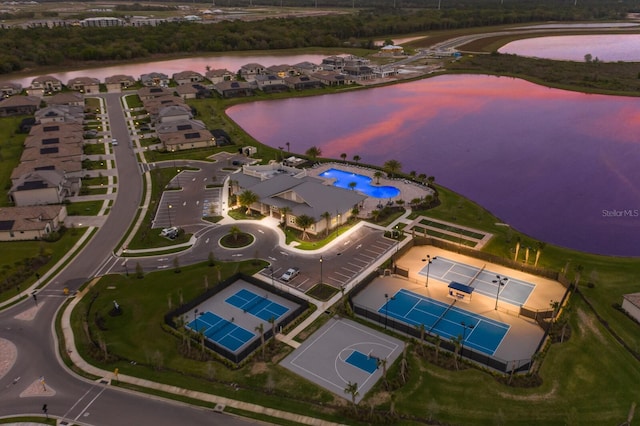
(430,180)
(260,330)
(378,174)
(541,245)
(375,214)
(352,185)
(352,389)
(327,216)
(246,199)
(272,321)
(412,174)
(313,152)
(303,221)
(458,344)
(284,211)
(437,346)
(422,330)
(392,167)
(235,232)
(415,202)
(288,146)
(356,158)
(382,362)
(343,156)
(422,177)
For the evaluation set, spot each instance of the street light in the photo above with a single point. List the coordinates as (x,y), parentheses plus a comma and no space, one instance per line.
(271,269)
(169,211)
(386,308)
(464,334)
(499,281)
(429,260)
(321,260)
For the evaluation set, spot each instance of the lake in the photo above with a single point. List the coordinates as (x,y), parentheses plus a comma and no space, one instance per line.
(608,48)
(560,166)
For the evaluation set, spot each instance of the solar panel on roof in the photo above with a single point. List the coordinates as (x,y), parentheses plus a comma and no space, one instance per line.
(184,127)
(194,135)
(50,141)
(36,184)
(45,168)
(49,150)
(6,225)
(51,128)
(235,85)
(155,90)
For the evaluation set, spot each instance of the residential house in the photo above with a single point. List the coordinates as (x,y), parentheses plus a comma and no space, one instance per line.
(155,105)
(306,67)
(19,105)
(332,78)
(271,83)
(301,82)
(219,75)
(44,85)
(9,89)
(84,84)
(282,71)
(66,98)
(38,188)
(71,166)
(30,223)
(184,134)
(250,71)
(154,92)
(187,77)
(172,113)
(631,305)
(118,83)
(278,186)
(231,89)
(333,63)
(60,114)
(360,72)
(187,91)
(356,61)
(155,79)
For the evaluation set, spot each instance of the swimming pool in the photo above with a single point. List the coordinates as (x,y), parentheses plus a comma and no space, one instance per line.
(363,184)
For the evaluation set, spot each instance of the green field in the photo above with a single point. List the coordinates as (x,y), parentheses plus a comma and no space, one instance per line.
(11,145)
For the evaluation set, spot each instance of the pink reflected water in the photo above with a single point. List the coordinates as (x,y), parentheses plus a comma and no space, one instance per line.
(560,166)
(608,48)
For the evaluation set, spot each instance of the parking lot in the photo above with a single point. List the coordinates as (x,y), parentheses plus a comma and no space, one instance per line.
(342,260)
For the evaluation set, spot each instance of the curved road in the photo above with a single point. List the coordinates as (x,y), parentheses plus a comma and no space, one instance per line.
(30,329)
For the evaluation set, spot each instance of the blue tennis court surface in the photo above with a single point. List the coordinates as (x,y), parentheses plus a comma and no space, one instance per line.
(221,331)
(514,291)
(256,305)
(482,334)
(363,361)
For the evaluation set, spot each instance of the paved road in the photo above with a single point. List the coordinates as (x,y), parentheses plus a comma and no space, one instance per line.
(30,329)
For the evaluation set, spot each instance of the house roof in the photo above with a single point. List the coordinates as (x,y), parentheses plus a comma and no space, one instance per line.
(38,180)
(70,113)
(186,75)
(28,218)
(147,92)
(316,197)
(633,298)
(180,125)
(64,165)
(45,78)
(66,98)
(185,89)
(119,78)
(84,81)
(15,101)
(218,73)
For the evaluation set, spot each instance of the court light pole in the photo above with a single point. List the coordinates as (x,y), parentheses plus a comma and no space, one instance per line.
(169,206)
(429,260)
(464,334)
(321,261)
(386,308)
(499,281)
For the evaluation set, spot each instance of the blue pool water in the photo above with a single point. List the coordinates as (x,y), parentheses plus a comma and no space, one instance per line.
(363,184)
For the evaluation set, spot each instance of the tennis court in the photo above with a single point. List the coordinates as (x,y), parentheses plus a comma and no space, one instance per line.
(256,305)
(221,331)
(515,291)
(448,321)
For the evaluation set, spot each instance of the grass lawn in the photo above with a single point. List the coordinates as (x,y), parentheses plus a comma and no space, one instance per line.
(11,146)
(93,149)
(84,208)
(14,254)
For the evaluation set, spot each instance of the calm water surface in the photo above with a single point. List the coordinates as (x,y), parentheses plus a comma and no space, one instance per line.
(608,48)
(558,165)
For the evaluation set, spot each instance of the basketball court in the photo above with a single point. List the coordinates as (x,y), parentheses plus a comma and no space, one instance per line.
(343,352)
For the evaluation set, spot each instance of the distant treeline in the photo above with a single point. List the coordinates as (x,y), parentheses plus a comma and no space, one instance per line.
(21,48)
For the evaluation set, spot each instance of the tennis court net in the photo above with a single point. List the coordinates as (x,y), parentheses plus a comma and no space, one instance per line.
(442,316)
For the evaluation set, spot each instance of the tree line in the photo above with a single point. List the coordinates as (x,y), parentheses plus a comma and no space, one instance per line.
(27,48)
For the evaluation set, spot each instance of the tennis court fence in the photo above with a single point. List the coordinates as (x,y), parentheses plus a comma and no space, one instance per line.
(238,357)
(517,366)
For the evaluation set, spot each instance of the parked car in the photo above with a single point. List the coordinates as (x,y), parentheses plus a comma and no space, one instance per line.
(114,142)
(170,233)
(290,274)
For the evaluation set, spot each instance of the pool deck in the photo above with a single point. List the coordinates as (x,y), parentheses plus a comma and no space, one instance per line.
(408,190)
